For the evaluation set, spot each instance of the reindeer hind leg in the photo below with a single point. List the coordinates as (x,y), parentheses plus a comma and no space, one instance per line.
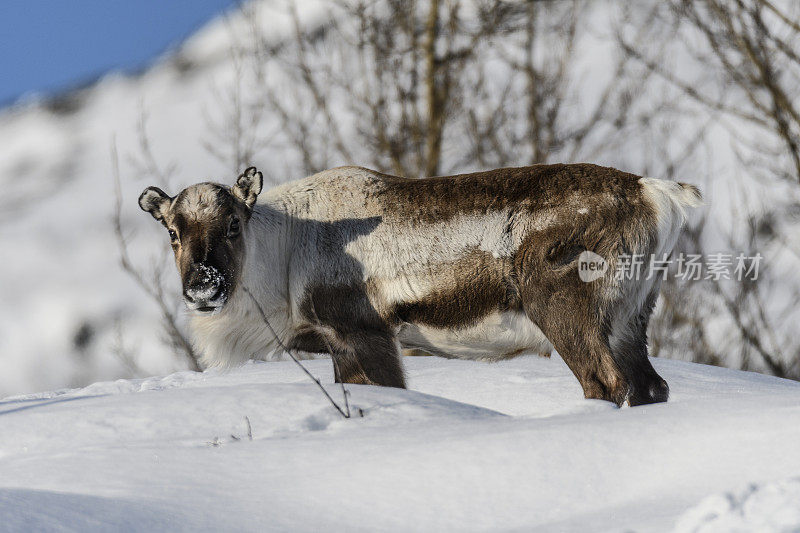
(629,346)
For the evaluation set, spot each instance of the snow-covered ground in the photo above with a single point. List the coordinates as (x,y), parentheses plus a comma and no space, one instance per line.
(472,446)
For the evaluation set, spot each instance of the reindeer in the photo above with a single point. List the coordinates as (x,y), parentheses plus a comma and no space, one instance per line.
(482,266)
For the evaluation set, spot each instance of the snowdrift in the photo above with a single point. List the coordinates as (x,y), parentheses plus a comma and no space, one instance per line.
(472,446)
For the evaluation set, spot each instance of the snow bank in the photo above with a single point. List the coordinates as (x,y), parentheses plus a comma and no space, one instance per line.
(472,446)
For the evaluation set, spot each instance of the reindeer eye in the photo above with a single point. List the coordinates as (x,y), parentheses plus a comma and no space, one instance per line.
(173,236)
(234,228)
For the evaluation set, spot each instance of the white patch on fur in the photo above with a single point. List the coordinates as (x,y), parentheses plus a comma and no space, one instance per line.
(669,200)
(497,336)
(403,261)
(201,201)
(238,333)
(423,244)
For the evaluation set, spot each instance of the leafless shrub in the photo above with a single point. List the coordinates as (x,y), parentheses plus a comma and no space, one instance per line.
(152,284)
(421,88)
(741,66)
(235,122)
(127,355)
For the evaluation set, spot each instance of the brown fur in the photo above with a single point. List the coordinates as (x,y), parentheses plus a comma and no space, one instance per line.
(205,240)
(542,279)
(362,342)
(534,188)
(470,289)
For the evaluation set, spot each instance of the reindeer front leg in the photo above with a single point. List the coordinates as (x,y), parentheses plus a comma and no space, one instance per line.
(363,346)
(367,356)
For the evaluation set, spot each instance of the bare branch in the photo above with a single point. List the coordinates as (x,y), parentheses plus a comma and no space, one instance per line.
(292,356)
(153,288)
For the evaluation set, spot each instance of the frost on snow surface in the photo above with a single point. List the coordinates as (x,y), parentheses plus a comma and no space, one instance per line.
(471,446)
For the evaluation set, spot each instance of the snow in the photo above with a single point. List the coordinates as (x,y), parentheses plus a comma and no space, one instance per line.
(471,446)
(770,507)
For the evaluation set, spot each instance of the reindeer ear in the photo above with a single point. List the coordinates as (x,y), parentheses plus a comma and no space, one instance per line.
(155,201)
(248,185)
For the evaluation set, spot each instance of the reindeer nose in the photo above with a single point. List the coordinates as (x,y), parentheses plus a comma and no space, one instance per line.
(204,283)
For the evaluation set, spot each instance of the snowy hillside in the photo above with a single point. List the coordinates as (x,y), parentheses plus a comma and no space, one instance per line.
(472,446)
(73,306)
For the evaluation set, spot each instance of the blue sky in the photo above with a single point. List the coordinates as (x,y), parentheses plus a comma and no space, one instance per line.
(47,45)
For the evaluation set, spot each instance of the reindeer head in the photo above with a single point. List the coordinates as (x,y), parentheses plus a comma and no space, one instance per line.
(205,224)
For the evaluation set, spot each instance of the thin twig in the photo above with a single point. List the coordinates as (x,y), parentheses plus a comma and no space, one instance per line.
(335,362)
(154,288)
(289,352)
(249,428)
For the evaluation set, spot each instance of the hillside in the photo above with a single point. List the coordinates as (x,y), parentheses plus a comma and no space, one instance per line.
(74,309)
(472,446)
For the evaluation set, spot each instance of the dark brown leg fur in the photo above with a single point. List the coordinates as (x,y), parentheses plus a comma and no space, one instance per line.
(629,346)
(585,349)
(568,312)
(609,357)
(362,344)
(368,356)
(346,369)
(579,336)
